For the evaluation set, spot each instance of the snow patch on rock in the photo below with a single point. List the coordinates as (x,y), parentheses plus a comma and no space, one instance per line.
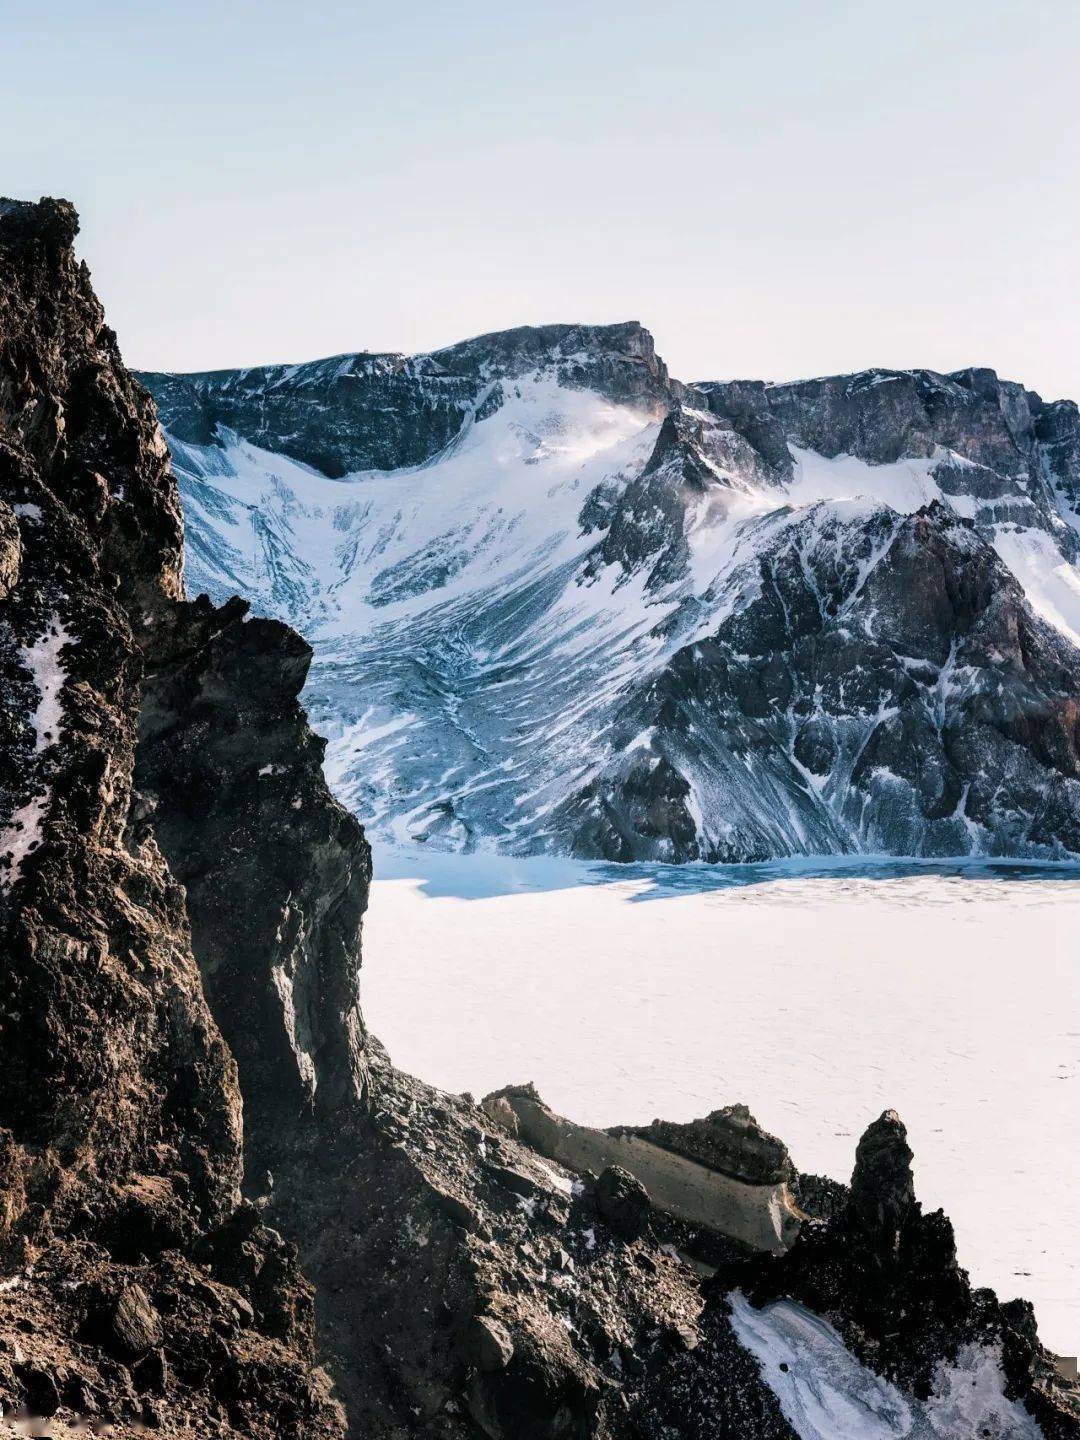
(825,1392)
(23,832)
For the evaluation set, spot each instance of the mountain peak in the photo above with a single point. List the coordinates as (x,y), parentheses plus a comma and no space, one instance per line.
(544,342)
(385,411)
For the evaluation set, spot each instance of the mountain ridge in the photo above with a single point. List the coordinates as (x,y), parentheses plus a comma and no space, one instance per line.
(663,507)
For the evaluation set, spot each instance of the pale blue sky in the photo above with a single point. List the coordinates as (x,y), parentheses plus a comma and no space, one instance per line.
(775,189)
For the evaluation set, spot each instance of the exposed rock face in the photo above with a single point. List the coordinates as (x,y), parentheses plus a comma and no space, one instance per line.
(729,1140)
(138,1285)
(835,616)
(120,1112)
(1011,434)
(276,873)
(166,1044)
(882,1198)
(622,1202)
(90,910)
(723,1180)
(383,412)
(880,681)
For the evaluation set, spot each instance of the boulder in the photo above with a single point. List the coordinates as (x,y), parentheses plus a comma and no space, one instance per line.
(622,1202)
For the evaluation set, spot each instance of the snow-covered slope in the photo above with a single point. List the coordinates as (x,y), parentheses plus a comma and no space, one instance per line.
(582,607)
(825,1392)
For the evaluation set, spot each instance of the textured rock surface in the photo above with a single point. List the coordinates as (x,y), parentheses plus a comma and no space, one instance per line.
(622,1202)
(729,1140)
(1019,443)
(276,873)
(721,1182)
(138,1286)
(918,709)
(886,1274)
(120,1112)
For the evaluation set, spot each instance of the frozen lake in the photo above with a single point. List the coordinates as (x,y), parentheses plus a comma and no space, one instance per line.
(948,993)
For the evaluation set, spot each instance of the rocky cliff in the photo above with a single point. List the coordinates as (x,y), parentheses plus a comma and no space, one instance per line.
(222,1211)
(121,1116)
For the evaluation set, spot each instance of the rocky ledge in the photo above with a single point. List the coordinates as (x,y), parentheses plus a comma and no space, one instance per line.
(222,1211)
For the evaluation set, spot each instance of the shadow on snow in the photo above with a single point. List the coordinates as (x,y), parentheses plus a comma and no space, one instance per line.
(483,875)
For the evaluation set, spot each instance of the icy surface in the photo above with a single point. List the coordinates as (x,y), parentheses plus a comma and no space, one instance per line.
(20,835)
(825,1393)
(1051,582)
(818,997)
(903,486)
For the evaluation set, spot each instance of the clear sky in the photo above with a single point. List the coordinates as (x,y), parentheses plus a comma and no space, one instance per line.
(776,189)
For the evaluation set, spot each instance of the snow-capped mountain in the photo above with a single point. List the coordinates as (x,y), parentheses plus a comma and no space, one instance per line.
(558,600)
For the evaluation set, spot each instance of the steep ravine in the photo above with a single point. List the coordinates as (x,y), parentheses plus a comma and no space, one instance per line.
(222,1211)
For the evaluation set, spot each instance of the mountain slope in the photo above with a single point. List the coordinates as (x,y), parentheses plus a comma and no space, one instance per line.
(580,606)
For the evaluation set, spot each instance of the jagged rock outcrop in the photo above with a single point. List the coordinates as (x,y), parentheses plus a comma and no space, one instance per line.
(879,685)
(276,873)
(723,1180)
(886,1274)
(1018,443)
(120,1112)
(212,1180)
(728,1140)
(138,1285)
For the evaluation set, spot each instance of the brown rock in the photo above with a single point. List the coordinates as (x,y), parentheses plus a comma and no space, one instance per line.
(135,1327)
(622,1202)
(488,1345)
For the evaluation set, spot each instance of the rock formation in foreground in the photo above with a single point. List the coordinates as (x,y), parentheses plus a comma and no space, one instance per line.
(222,1211)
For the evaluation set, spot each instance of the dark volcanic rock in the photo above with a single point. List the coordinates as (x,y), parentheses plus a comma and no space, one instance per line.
(729,1140)
(359,412)
(622,1202)
(882,415)
(40,1393)
(881,686)
(352,412)
(120,1112)
(90,1049)
(886,1275)
(489,1345)
(131,1265)
(122,1233)
(276,872)
(882,1197)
